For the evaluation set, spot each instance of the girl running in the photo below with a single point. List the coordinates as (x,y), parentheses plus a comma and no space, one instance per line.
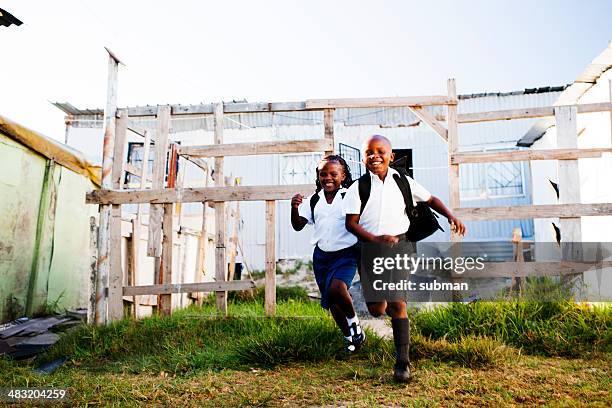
(335,254)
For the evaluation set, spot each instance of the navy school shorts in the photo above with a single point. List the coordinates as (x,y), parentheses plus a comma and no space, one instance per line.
(341,265)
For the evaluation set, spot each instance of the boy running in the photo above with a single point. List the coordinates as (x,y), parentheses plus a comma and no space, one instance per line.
(384,221)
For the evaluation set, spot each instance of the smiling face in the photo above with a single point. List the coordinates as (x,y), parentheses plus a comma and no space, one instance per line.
(377,155)
(331,175)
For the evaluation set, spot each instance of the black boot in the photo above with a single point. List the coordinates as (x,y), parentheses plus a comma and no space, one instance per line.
(401,338)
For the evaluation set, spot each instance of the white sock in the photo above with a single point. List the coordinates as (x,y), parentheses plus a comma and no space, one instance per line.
(350,322)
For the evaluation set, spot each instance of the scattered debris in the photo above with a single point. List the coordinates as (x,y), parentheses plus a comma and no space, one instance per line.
(24,337)
(50,367)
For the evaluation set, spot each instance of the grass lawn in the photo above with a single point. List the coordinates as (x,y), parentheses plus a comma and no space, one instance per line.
(356,382)
(191,359)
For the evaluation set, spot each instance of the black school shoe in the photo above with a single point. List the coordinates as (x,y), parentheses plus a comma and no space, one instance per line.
(358,337)
(401,373)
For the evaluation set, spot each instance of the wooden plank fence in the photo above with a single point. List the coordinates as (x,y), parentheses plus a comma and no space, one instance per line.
(162,196)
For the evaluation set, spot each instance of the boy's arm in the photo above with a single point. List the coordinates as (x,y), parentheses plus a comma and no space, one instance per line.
(352,206)
(456,224)
(297,221)
(352,225)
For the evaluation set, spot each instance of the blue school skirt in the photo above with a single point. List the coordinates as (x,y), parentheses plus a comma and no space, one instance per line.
(328,266)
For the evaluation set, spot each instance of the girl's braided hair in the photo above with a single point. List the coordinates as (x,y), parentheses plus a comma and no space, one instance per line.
(348,180)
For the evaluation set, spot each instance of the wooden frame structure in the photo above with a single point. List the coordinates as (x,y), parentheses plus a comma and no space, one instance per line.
(110,289)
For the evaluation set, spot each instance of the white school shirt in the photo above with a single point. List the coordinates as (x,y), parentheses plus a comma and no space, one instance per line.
(330,234)
(384,213)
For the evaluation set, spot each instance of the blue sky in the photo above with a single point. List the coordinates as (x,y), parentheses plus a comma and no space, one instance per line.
(197,51)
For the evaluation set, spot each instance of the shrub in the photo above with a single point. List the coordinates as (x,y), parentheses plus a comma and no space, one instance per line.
(546,328)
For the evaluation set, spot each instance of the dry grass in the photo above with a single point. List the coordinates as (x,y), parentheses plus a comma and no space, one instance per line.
(528,380)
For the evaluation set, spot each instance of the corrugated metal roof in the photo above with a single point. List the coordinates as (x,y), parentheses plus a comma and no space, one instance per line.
(572,93)
(69,109)
(536,132)
(6,19)
(51,149)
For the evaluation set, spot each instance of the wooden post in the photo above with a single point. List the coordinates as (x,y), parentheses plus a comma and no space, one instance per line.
(453,147)
(133,260)
(328,122)
(137,222)
(233,244)
(517,240)
(159,174)
(110,112)
(220,226)
(453,171)
(202,242)
(270,289)
(569,182)
(610,92)
(164,301)
(115,279)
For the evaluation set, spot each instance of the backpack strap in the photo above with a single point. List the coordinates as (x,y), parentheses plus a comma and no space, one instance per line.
(364,187)
(404,185)
(314,199)
(313,202)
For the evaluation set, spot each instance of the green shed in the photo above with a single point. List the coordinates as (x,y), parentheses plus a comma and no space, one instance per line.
(45,239)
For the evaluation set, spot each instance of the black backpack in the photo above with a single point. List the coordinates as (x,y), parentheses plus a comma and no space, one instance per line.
(315,199)
(423,221)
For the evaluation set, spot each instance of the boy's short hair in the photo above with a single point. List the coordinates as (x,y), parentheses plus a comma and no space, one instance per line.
(367,140)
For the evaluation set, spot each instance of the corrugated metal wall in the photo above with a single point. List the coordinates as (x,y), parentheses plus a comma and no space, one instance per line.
(352,126)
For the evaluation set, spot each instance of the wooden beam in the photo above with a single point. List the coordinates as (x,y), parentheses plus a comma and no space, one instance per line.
(134,263)
(144,170)
(231,107)
(518,212)
(187,287)
(430,120)
(246,149)
(453,147)
(202,240)
(524,155)
(233,242)
(136,171)
(270,290)
(134,128)
(137,222)
(159,173)
(115,277)
(165,274)
(258,107)
(568,182)
(522,269)
(328,124)
(104,231)
(380,102)
(119,149)
(526,113)
(194,195)
(220,225)
(201,163)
